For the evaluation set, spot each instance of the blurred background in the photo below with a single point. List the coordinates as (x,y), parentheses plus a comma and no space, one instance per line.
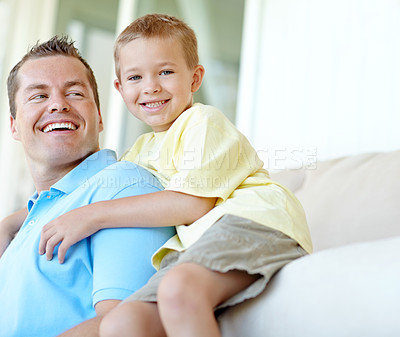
(304,80)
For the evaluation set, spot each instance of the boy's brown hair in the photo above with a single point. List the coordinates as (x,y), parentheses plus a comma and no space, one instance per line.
(159,26)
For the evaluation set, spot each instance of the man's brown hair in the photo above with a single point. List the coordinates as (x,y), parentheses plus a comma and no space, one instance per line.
(53,47)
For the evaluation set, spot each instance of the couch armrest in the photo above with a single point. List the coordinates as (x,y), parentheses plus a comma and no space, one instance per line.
(292,179)
(346,291)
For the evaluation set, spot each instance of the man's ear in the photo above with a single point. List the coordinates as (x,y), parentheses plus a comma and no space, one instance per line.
(198,76)
(14,128)
(101,126)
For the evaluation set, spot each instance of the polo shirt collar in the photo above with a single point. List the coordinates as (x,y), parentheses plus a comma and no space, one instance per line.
(81,173)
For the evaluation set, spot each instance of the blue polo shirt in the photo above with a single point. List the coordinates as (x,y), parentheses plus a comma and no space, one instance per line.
(44,298)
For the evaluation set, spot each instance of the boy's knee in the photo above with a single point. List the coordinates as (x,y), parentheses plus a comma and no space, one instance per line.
(182,284)
(174,284)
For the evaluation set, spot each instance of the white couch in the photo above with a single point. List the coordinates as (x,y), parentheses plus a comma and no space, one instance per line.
(350,285)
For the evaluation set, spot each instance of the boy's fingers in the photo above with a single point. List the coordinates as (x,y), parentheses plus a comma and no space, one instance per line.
(44,237)
(42,245)
(51,243)
(62,251)
(49,252)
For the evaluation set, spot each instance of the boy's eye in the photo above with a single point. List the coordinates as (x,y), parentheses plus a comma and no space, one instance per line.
(166,72)
(134,78)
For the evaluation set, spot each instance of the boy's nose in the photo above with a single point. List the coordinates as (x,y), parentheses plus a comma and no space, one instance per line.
(152,87)
(152,91)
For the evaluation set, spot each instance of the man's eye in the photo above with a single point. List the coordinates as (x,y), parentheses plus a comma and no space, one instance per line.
(74,93)
(166,72)
(38,97)
(134,78)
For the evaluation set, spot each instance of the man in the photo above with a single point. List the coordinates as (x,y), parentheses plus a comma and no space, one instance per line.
(55,115)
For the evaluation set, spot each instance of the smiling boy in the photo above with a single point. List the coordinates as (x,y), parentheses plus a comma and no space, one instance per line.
(154,95)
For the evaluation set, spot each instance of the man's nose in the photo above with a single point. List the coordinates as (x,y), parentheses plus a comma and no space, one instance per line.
(59,104)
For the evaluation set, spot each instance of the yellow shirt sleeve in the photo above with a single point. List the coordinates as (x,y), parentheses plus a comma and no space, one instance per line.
(211,158)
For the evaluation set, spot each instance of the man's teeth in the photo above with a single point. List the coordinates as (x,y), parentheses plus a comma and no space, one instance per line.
(155,104)
(54,126)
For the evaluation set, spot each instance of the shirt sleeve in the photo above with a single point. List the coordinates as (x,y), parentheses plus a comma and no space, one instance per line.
(211,161)
(122,256)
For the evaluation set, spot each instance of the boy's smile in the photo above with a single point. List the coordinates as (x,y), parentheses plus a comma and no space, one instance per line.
(155,81)
(154,105)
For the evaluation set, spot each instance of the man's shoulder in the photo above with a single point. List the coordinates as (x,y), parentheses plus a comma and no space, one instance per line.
(128,168)
(122,178)
(125,168)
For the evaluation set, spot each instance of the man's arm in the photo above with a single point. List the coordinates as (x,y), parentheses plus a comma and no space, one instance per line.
(9,226)
(121,265)
(90,328)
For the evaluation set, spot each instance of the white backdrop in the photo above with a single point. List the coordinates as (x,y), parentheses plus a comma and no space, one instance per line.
(320,78)
(22,24)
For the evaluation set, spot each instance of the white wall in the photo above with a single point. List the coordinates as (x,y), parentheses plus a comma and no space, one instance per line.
(23,26)
(26,22)
(320,78)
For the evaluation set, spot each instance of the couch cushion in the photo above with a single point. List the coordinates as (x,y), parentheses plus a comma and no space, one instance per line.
(339,292)
(349,199)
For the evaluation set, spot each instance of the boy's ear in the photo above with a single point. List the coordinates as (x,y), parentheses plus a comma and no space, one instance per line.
(117,85)
(198,76)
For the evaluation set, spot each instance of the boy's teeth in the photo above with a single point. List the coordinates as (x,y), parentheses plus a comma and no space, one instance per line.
(155,104)
(53,126)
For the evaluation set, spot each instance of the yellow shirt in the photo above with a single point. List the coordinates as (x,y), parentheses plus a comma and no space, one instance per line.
(204,154)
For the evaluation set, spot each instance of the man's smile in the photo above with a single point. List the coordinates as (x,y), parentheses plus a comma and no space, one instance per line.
(62,126)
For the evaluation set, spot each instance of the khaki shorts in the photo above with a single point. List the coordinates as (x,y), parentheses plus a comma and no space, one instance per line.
(231,243)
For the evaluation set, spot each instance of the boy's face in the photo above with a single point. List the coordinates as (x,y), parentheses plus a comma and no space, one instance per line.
(156,82)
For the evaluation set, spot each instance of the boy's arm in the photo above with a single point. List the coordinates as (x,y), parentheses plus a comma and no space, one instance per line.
(157,209)
(9,226)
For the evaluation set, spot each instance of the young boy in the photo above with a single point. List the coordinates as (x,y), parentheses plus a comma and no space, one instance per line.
(236,228)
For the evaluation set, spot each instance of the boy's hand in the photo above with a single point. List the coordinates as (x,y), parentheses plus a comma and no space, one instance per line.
(67,230)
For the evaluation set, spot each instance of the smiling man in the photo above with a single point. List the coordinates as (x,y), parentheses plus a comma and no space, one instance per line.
(55,115)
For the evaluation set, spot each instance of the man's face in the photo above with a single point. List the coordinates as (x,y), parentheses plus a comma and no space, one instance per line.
(57,120)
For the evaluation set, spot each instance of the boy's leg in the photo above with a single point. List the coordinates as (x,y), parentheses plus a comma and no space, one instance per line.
(197,283)
(188,295)
(191,284)
(138,319)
